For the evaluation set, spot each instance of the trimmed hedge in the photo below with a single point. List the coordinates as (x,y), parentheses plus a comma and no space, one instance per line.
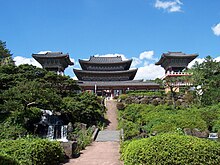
(7,160)
(171,149)
(32,151)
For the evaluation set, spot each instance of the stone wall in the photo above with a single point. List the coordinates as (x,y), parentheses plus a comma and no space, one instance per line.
(155,100)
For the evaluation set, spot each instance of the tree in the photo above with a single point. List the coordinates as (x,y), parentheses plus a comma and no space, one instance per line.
(5,55)
(206,77)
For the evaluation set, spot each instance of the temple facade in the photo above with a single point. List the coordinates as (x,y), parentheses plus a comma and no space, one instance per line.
(175,64)
(105,69)
(53,61)
(110,76)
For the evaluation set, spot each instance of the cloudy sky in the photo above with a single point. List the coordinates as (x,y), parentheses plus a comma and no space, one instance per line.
(137,29)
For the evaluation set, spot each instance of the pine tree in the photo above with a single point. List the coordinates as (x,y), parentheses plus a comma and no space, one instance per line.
(5,55)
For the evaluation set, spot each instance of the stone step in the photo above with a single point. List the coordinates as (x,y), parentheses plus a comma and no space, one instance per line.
(106,136)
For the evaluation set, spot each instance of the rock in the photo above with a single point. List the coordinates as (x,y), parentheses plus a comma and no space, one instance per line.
(136,101)
(70,148)
(154,102)
(154,133)
(187,131)
(144,100)
(70,127)
(200,134)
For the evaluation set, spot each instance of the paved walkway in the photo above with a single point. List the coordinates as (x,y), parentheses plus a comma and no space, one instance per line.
(105,150)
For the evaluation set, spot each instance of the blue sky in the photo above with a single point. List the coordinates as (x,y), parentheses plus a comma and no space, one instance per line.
(138,29)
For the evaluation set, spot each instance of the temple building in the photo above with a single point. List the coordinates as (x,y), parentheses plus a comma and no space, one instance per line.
(105,69)
(53,61)
(110,76)
(175,61)
(175,64)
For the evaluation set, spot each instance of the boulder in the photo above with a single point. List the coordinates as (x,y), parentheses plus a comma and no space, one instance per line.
(200,134)
(70,148)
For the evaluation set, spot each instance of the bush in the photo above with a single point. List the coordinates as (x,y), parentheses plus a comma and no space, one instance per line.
(172,149)
(33,151)
(123,96)
(145,93)
(7,160)
(9,131)
(131,129)
(84,138)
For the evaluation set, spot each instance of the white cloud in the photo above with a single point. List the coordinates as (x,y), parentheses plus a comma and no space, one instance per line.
(147,55)
(217,59)
(72,60)
(149,72)
(136,61)
(19,60)
(169,6)
(216,29)
(199,60)
(74,78)
(44,52)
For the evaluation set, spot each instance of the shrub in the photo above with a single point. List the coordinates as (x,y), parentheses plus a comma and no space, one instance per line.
(7,160)
(145,93)
(11,131)
(172,149)
(33,151)
(83,139)
(123,96)
(131,129)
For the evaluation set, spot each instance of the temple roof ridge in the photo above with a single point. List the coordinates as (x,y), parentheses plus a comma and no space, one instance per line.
(100,59)
(178,54)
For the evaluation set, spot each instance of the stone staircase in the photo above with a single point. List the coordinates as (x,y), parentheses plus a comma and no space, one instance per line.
(108,136)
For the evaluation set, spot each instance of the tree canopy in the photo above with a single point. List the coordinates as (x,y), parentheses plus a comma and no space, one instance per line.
(26,89)
(206,79)
(5,55)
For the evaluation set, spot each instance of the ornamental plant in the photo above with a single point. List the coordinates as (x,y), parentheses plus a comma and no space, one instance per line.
(172,149)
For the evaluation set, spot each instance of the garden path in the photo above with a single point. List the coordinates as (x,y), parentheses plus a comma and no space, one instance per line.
(105,150)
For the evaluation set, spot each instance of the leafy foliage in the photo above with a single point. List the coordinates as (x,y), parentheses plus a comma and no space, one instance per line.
(136,119)
(5,55)
(25,90)
(171,149)
(32,151)
(207,76)
(145,93)
(83,108)
(6,159)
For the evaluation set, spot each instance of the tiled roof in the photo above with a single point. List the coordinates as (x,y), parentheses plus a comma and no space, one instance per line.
(105,75)
(51,54)
(117,83)
(105,59)
(176,55)
(105,72)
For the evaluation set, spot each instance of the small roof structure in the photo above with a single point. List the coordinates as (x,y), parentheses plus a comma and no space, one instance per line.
(175,60)
(94,59)
(105,63)
(56,61)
